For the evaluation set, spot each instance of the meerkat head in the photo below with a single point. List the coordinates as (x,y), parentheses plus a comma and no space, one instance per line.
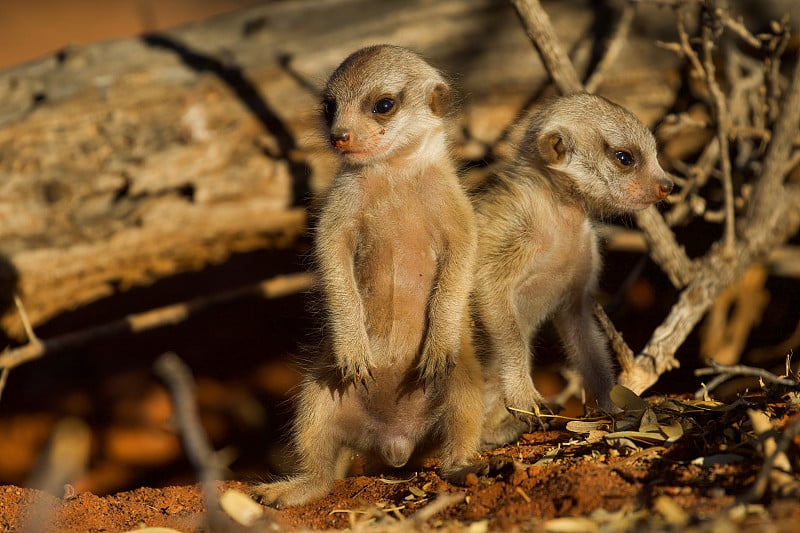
(381,101)
(605,153)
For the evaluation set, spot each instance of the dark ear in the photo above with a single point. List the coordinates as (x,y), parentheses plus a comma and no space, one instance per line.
(439,99)
(553,147)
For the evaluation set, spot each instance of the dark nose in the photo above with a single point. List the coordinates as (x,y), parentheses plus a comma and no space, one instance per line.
(665,186)
(340,138)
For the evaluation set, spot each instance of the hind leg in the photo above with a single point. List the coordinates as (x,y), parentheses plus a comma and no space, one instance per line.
(320,445)
(587,350)
(462,418)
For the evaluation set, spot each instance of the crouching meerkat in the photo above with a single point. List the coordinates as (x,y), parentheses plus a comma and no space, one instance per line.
(582,157)
(395,248)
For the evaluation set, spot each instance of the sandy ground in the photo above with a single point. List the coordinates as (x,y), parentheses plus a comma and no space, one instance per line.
(554,480)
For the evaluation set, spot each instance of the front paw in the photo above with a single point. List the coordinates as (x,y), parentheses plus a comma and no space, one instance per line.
(434,366)
(523,400)
(355,368)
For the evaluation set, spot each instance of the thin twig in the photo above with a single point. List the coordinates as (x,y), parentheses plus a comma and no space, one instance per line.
(745,77)
(737,27)
(664,248)
(154,318)
(685,42)
(772,63)
(615,47)
(624,354)
(442,502)
(178,379)
(743,370)
(540,30)
(723,128)
(777,453)
(705,164)
(3,380)
(33,340)
(705,388)
(769,188)
(792,162)
(26,322)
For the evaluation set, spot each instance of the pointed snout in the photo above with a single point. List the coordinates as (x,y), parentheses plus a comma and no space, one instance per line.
(340,138)
(665,185)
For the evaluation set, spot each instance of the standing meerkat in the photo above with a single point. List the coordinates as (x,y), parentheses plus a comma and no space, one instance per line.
(395,248)
(582,157)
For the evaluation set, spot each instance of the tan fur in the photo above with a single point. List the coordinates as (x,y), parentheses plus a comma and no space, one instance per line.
(395,247)
(538,256)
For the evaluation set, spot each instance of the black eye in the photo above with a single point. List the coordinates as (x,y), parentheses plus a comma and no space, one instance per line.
(383,106)
(625,158)
(329,109)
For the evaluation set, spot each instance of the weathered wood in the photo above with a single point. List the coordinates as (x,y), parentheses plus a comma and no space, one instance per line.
(133,160)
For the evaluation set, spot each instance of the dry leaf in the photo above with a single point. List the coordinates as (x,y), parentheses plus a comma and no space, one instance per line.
(416,491)
(585,426)
(673,432)
(641,435)
(596,436)
(627,400)
(649,421)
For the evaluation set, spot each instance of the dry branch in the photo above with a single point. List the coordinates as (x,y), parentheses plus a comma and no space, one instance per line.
(664,248)
(178,378)
(725,372)
(776,472)
(616,46)
(773,218)
(538,27)
(720,106)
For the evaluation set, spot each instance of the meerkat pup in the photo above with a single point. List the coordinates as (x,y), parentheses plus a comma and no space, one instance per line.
(582,157)
(395,247)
